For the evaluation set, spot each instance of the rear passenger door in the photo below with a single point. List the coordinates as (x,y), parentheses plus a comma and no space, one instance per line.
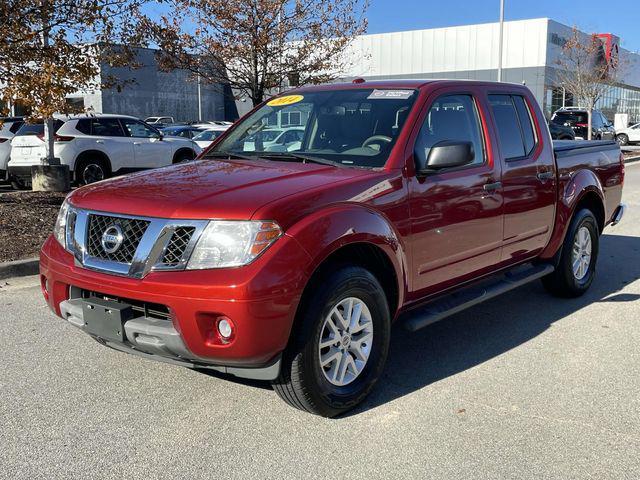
(528,176)
(456,213)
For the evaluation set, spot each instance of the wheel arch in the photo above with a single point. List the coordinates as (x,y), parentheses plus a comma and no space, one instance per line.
(89,154)
(355,235)
(183,150)
(583,190)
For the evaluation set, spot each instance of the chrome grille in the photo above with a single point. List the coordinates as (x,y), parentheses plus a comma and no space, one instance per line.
(132,230)
(177,246)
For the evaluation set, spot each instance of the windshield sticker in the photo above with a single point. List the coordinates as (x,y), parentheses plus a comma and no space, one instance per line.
(286,100)
(390,94)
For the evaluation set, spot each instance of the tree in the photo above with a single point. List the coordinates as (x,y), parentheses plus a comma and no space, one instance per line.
(258,45)
(585,71)
(52,48)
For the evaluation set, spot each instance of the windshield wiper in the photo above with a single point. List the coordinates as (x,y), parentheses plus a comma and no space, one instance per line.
(229,155)
(285,156)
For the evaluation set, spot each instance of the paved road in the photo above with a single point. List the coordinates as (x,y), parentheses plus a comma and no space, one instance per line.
(525,386)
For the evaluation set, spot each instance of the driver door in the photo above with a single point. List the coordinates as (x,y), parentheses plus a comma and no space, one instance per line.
(149,149)
(456,213)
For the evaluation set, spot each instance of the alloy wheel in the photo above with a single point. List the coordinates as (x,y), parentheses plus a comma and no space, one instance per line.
(345,341)
(581,253)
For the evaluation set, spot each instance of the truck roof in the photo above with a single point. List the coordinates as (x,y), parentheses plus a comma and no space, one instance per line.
(398,83)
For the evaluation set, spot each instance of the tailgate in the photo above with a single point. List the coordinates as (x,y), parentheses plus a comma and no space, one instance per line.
(27,150)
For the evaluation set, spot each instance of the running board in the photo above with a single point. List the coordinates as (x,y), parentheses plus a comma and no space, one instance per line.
(468,297)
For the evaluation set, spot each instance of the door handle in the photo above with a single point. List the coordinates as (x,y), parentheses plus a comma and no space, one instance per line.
(545,175)
(99,141)
(137,143)
(490,187)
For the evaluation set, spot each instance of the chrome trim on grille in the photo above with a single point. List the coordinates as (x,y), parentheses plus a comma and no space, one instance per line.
(149,253)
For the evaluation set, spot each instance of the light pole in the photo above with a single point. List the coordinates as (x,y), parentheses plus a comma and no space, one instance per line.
(500,40)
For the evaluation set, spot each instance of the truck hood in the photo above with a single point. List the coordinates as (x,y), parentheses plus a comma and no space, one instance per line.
(208,189)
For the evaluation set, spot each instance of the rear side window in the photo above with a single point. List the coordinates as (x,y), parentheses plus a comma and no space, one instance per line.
(107,127)
(455,118)
(515,128)
(15,126)
(84,126)
(524,115)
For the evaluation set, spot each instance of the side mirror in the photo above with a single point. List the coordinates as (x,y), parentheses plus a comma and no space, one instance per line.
(445,154)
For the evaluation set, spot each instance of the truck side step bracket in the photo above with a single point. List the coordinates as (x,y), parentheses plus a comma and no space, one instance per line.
(460,300)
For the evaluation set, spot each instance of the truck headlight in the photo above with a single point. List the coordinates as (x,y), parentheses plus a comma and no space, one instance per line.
(60,228)
(232,243)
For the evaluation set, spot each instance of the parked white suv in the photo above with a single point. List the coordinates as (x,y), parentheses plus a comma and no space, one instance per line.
(8,130)
(95,147)
(625,136)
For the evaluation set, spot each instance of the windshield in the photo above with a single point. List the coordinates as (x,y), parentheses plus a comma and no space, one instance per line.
(354,127)
(207,135)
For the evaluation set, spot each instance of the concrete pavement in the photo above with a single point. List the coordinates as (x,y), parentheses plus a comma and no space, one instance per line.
(524,386)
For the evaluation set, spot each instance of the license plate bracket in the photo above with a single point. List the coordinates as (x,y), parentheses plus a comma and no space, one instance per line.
(106,318)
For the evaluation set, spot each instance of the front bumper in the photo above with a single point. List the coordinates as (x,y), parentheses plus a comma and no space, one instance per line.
(260,299)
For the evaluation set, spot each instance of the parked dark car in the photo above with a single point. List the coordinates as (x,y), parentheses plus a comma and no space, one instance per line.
(578,120)
(186,131)
(561,132)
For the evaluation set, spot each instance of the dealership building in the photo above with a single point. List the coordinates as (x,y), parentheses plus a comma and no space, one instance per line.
(531,49)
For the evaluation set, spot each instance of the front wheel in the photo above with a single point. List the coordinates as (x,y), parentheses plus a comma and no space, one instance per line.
(340,345)
(577,266)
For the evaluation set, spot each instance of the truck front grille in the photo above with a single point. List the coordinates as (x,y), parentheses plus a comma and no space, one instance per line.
(177,246)
(132,230)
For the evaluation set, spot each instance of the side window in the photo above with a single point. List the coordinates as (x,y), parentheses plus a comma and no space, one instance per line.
(107,127)
(84,126)
(508,125)
(454,118)
(526,123)
(15,126)
(136,128)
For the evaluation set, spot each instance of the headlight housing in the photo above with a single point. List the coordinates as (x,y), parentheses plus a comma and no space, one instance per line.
(226,243)
(60,228)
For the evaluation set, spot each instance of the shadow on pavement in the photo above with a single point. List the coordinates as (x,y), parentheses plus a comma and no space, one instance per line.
(481,333)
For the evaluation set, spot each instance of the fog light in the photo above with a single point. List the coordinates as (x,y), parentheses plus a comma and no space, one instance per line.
(225,329)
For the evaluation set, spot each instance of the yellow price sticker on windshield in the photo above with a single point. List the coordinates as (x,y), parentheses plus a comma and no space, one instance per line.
(286,100)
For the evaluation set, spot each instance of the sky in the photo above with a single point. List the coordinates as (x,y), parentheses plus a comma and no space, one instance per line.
(620,17)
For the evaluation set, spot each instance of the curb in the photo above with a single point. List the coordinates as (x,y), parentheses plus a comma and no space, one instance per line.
(19,268)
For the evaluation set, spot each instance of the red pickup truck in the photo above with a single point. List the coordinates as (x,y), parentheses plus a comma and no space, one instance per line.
(287,258)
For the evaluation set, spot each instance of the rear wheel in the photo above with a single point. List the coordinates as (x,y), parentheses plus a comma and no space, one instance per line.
(622,139)
(18,184)
(91,170)
(577,267)
(339,350)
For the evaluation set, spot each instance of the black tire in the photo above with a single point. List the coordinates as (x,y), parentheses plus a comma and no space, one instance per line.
(90,170)
(302,382)
(563,282)
(18,184)
(622,139)
(183,156)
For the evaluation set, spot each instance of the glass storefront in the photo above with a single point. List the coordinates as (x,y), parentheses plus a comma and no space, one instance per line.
(616,99)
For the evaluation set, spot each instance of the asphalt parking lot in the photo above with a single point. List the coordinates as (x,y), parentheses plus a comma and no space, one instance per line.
(525,386)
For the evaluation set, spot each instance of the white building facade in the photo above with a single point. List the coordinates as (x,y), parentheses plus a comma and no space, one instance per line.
(530,52)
